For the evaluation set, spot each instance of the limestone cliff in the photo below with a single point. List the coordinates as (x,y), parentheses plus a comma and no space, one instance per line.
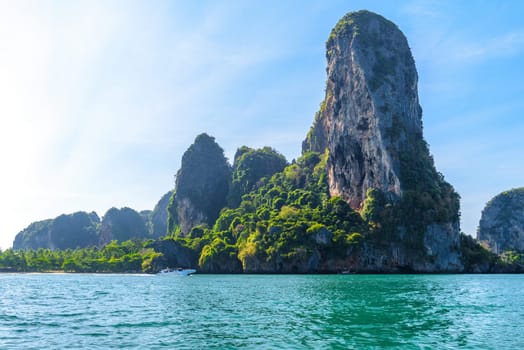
(371,113)
(201,187)
(370,123)
(159,216)
(501,225)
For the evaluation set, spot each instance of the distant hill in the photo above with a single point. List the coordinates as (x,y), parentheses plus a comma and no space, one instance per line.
(82,229)
(501,225)
(70,231)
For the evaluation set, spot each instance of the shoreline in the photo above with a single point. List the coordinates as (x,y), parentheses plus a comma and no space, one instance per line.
(264,273)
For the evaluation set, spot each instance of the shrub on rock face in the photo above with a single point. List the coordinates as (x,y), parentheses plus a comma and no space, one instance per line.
(249,167)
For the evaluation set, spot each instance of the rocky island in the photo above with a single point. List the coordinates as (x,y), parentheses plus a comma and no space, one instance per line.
(363,197)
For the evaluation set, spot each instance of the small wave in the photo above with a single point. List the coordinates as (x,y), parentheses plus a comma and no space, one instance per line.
(9,318)
(100,292)
(144,325)
(94,334)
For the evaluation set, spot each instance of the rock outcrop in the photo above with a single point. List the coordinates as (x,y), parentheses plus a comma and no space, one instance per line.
(159,216)
(501,225)
(370,124)
(173,255)
(371,114)
(201,188)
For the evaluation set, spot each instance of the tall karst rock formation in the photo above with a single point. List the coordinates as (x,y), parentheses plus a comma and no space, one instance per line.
(370,123)
(201,188)
(371,113)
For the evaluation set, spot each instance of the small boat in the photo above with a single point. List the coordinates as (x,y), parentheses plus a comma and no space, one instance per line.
(177,272)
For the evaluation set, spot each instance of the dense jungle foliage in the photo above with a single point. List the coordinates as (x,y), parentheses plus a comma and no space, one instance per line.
(128,256)
(284,217)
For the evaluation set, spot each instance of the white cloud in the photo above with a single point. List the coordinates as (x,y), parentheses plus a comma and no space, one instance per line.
(423,8)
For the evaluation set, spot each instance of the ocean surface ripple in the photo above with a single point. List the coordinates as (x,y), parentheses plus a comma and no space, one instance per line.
(90,311)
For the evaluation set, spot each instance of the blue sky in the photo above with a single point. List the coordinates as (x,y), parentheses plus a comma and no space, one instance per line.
(99,99)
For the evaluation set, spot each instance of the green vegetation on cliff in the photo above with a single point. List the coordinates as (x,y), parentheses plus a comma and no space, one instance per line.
(250,166)
(426,197)
(280,224)
(34,236)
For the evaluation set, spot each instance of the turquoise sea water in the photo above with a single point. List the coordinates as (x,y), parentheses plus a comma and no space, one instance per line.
(75,311)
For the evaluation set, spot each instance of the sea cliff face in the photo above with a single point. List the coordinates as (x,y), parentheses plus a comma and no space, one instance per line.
(371,112)
(438,255)
(370,123)
(501,225)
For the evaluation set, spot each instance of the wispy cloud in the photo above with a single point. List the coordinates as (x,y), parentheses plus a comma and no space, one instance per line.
(462,50)
(423,8)
(443,36)
(503,45)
